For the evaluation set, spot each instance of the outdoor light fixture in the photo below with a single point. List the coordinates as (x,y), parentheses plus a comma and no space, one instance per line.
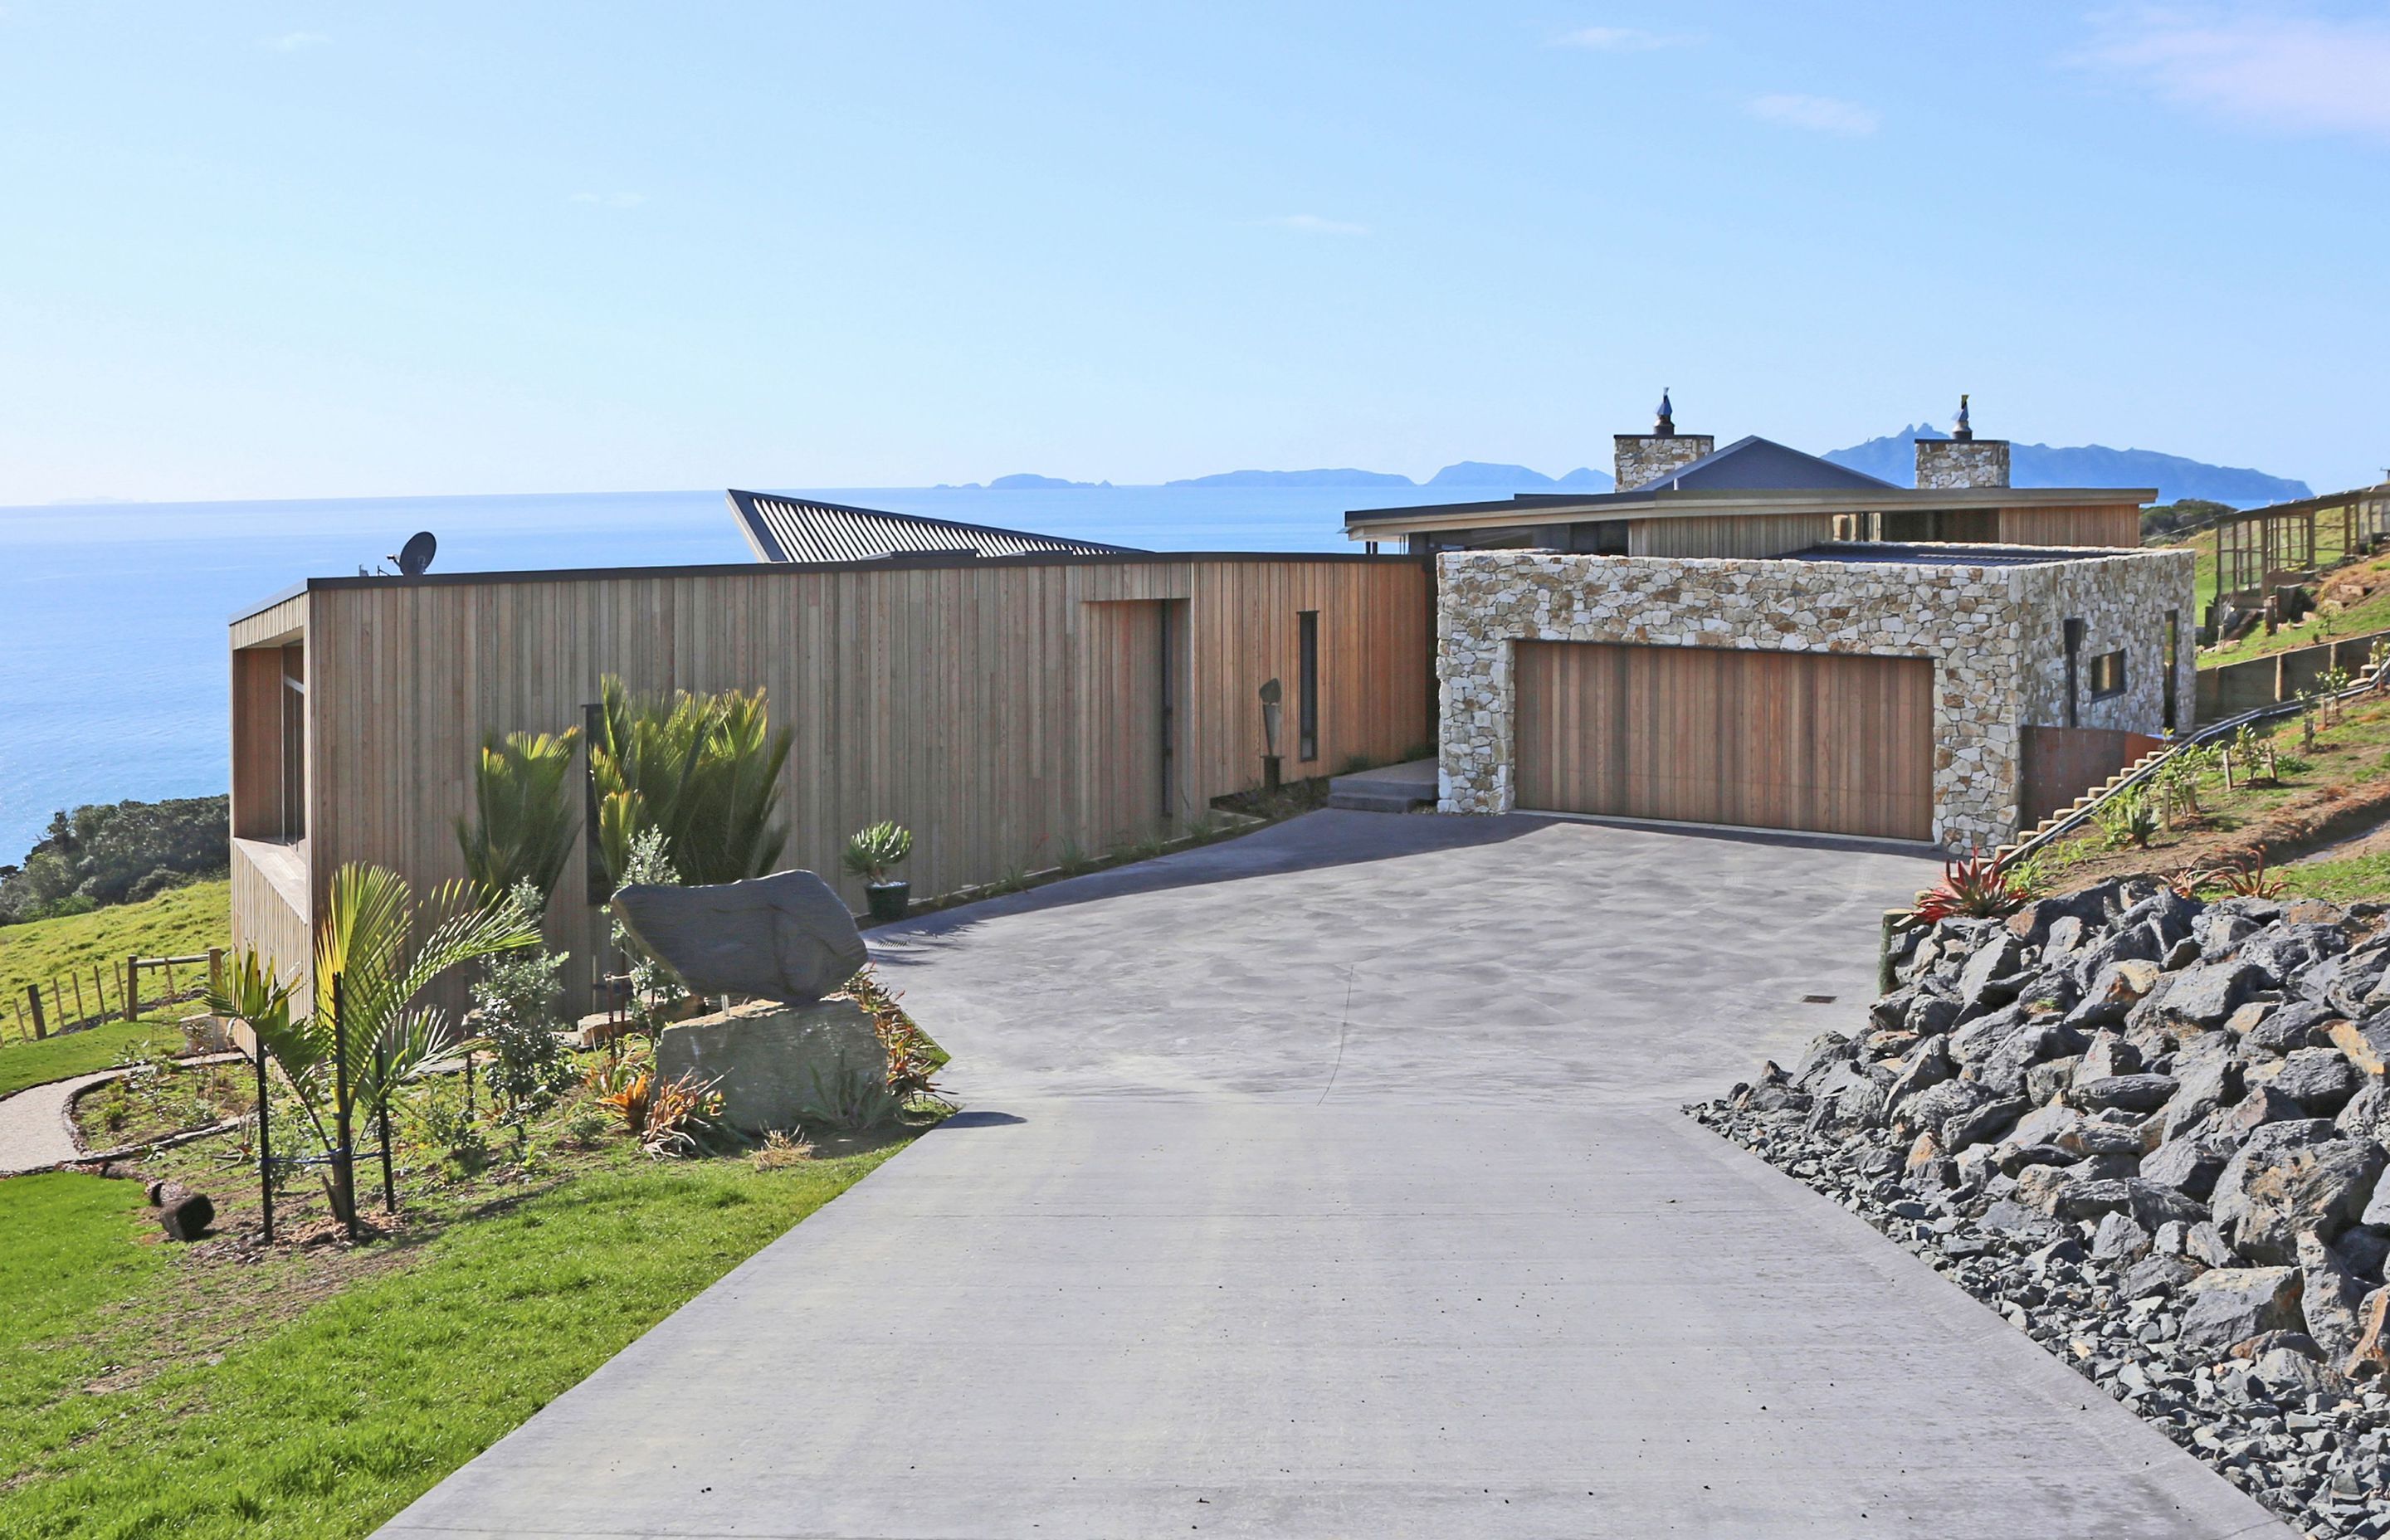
(1271,693)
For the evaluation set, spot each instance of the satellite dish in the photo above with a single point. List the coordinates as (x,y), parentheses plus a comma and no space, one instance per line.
(414,558)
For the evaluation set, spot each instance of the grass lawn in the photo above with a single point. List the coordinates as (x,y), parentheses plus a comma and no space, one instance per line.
(314,1389)
(2361,877)
(23,1064)
(177,924)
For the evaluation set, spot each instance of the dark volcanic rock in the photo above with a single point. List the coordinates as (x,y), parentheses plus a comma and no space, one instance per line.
(2232,1304)
(2291,1179)
(2141,1093)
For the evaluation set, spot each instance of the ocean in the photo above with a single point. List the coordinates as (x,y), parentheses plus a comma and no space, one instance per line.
(113,680)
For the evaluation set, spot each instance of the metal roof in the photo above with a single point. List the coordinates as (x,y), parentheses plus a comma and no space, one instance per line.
(799,529)
(1758,464)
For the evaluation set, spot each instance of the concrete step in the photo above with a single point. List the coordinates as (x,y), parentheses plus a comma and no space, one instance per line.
(1378,802)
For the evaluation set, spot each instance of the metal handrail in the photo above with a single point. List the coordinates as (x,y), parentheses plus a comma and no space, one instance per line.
(2149,766)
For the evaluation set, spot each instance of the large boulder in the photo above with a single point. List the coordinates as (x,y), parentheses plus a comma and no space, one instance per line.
(785,937)
(2232,1304)
(775,1065)
(1994,973)
(1931,1108)
(2203,1087)
(2290,1178)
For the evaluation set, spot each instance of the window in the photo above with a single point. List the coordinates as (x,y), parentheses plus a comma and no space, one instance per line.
(2074,670)
(295,743)
(2108,674)
(1306,719)
(1598,537)
(2173,663)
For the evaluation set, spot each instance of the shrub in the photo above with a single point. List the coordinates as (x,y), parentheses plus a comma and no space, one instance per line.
(855,1098)
(515,1001)
(2241,876)
(2127,818)
(779,1151)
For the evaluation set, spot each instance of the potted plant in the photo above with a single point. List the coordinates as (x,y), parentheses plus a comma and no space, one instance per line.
(872,853)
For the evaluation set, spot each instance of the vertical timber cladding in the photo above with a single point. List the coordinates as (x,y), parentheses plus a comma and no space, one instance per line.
(1832,743)
(1002,709)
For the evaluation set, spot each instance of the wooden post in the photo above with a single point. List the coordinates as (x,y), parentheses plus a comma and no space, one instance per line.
(170,978)
(132,986)
(264,1142)
(215,969)
(100,990)
(33,993)
(20,1017)
(344,1165)
(81,1014)
(57,1001)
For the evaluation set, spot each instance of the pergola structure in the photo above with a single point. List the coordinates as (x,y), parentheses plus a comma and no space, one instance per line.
(2260,549)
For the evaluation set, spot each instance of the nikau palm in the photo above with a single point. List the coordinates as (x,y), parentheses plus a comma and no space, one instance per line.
(523,825)
(703,770)
(368,1032)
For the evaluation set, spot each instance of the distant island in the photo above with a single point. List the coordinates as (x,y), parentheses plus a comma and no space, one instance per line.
(1894,458)
(1026,483)
(1296,479)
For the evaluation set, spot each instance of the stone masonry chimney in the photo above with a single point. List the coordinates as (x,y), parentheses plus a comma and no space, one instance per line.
(1962,459)
(1643,458)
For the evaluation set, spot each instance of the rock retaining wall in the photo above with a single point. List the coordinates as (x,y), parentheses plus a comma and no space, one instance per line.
(2151,1132)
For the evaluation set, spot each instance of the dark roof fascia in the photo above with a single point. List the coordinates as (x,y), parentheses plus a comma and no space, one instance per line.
(1690,501)
(769,570)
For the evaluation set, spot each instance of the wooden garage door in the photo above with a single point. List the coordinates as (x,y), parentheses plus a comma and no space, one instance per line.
(1806,740)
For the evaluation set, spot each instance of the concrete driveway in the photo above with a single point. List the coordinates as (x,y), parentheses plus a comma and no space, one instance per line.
(1329,1182)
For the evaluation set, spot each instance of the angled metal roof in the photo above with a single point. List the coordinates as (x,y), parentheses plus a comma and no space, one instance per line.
(1758,464)
(799,529)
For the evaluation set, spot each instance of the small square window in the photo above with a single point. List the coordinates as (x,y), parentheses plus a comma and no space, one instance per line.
(2107,676)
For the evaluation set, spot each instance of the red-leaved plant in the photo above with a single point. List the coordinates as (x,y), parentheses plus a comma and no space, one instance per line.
(1974,886)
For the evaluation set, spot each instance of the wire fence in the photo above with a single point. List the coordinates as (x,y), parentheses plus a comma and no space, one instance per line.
(79,999)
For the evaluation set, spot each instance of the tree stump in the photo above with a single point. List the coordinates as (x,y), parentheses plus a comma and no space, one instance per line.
(181,1213)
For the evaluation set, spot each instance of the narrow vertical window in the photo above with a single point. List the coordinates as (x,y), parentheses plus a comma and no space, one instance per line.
(2073,672)
(2173,661)
(1307,721)
(294,744)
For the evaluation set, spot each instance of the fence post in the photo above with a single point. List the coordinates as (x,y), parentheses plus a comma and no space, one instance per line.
(133,987)
(41,1029)
(81,1014)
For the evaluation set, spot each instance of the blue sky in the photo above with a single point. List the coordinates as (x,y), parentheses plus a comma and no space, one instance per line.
(298,249)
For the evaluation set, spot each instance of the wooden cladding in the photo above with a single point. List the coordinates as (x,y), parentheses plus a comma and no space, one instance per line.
(1832,743)
(1747,534)
(2113,525)
(1006,713)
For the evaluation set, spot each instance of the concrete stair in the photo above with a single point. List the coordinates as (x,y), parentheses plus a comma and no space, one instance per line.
(1390,789)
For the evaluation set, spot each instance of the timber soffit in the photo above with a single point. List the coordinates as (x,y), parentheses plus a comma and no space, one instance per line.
(788,570)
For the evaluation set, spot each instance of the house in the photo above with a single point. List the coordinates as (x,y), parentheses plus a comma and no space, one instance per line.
(1679,495)
(1010,709)
(806,529)
(1755,637)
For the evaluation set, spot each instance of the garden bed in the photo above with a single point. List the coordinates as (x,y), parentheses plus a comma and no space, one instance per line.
(315,1383)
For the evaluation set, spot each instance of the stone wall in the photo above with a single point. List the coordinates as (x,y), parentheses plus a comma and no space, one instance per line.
(1963,462)
(1986,629)
(1641,458)
(2123,603)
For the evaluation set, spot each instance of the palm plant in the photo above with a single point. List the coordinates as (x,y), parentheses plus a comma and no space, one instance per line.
(702,769)
(368,1033)
(523,825)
